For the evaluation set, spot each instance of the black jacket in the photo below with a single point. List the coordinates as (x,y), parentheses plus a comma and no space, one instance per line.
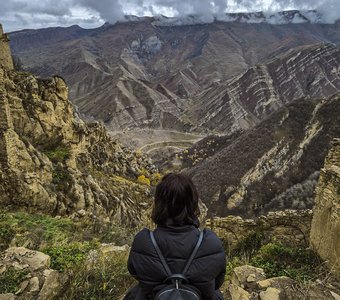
(176,243)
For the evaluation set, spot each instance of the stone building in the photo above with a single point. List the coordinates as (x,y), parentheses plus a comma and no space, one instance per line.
(5,52)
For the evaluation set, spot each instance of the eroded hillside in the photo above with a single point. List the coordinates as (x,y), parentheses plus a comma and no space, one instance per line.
(51,161)
(270,167)
(141,73)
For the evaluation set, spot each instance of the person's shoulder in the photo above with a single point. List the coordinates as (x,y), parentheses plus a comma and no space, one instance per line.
(210,234)
(141,239)
(212,240)
(142,235)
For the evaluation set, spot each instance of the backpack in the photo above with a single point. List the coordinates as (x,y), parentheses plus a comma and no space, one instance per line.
(177,286)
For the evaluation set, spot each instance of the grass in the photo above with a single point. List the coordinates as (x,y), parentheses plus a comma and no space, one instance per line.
(11,279)
(35,230)
(68,256)
(69,244)
(39,231)
(107,278)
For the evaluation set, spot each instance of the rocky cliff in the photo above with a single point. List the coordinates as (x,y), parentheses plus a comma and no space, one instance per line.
(6,60)
(325,232)
(51,161)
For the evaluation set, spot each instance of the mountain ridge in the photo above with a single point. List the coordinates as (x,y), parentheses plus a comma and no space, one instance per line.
(126,66)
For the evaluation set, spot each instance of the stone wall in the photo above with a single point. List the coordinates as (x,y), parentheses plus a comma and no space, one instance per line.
(325,232)
(5,52)
(290,227)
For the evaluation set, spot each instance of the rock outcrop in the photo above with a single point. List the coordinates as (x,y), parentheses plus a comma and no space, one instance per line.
(6,60)
(248,282)
(53,162)
(38,280)
(325,231)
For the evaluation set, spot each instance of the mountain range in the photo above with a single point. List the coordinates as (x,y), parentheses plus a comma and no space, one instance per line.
(262,96)
(146,74)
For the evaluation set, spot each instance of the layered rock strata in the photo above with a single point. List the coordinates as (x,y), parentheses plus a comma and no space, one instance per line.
(245,100)
(273,166)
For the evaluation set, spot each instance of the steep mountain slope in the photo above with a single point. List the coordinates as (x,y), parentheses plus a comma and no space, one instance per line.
(272,166)
(241,102)
(53,162)
(139,73)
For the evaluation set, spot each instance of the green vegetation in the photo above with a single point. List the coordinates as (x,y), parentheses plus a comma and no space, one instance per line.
(275,258)
(58,177)
(250,245)
(59,154)
(232,263)
(39,231)
(10,280)
(279,260)
(68,256)
(34,230)
(69,243)
(107,278)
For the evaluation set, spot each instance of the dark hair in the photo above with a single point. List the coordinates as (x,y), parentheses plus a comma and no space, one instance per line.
(176,198)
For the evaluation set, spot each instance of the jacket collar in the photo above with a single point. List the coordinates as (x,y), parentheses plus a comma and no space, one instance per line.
(169,225)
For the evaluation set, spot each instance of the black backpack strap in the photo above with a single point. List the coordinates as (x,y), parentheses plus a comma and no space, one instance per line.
(193,254)
(160,255)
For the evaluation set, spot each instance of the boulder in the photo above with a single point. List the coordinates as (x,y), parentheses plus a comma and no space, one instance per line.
(41,282)
(238,293)
(7,296)
(247,276)
(52,285)
(23,258)
(270,294)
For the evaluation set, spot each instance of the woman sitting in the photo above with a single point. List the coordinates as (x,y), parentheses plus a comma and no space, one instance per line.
(175,212)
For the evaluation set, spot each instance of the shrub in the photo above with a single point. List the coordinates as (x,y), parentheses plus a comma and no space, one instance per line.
(279,260)
(250,245)
(156,178)
(58,154)
(143,180)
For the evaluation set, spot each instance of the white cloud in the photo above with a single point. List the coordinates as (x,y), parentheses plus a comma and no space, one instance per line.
(17,14)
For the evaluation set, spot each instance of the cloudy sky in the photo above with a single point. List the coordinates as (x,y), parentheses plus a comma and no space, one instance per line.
(20,14)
